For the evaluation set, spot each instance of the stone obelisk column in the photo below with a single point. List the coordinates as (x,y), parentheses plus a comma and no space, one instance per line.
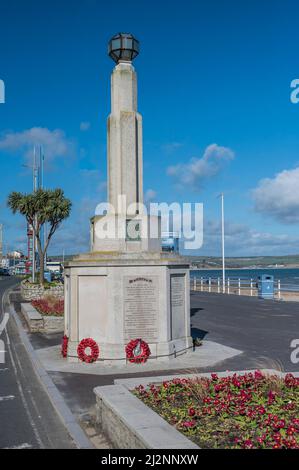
(124,139)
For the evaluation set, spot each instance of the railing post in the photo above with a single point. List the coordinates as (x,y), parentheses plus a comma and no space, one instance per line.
(251,287)
(218,285)
(194,283)
(201,284)
(279,289)
(209,284)
(228,284)
(239,285)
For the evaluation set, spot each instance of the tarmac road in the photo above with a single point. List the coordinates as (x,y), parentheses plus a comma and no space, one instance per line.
(27,417)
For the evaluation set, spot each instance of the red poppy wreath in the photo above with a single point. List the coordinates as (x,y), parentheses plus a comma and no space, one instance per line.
(64,346)
(88,350)
(137,351)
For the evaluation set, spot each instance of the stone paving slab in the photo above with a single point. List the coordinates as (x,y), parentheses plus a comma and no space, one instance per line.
(207,355)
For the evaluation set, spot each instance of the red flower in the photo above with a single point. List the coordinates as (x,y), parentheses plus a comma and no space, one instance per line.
(248,444)
(271,397)
(191,412)
(258,375)
(281,424)
(189,424)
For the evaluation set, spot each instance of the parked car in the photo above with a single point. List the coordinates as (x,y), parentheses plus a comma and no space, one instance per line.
(57,276)
(4,272)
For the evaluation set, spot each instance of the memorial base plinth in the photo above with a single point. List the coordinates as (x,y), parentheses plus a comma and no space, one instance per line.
(117,300)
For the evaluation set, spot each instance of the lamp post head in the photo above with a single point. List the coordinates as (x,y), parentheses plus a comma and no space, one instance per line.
(123,47)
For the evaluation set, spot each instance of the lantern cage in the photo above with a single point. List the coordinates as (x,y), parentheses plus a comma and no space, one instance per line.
(123,47)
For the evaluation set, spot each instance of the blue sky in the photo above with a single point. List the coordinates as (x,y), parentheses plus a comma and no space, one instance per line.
(212,72)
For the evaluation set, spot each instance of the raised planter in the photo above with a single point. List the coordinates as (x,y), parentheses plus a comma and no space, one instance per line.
(33,318)
(130,424)
(33,292)
(41,323)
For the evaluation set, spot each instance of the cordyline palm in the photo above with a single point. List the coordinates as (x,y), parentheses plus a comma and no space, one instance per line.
(43,206)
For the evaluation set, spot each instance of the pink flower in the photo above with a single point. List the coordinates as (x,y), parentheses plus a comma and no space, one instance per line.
(248,444)
(189,424)
(258,375)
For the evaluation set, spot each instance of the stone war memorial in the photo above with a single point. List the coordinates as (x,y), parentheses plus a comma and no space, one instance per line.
(126,300)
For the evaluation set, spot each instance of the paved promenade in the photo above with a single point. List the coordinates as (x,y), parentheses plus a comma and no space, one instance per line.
(262,329)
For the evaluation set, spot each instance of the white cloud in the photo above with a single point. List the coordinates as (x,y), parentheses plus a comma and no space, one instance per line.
(55,143)
(84,126)
(278,197)
(197,170)
(150,195)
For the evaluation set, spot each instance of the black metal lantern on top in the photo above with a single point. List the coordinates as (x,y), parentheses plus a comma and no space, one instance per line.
(123,47)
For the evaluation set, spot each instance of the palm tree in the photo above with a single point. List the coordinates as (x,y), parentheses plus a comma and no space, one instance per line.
(40,207)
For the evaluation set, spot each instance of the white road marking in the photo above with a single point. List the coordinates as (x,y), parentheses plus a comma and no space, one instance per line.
(8,397)
(20,446)
(4,322)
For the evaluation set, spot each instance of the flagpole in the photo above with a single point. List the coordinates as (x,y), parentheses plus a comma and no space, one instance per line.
(223,249)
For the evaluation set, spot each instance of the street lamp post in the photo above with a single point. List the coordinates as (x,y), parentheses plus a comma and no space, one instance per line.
(222,241)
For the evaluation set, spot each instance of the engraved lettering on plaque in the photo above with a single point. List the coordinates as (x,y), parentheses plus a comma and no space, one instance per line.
(141,307)
(177,303)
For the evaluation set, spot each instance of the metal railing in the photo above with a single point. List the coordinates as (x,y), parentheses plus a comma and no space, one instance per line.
(240,286)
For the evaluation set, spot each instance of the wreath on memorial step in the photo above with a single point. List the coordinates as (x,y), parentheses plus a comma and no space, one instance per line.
(64,346)
(88,350)
(137,351)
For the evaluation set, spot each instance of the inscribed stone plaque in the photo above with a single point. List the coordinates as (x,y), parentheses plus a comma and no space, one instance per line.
(141,307)
(177,303)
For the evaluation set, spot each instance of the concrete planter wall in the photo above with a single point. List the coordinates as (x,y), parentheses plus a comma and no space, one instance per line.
(130,424)
(41,323)
(33,292)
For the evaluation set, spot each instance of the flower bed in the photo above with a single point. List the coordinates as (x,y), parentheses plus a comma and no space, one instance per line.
(242,411)
(50,305)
